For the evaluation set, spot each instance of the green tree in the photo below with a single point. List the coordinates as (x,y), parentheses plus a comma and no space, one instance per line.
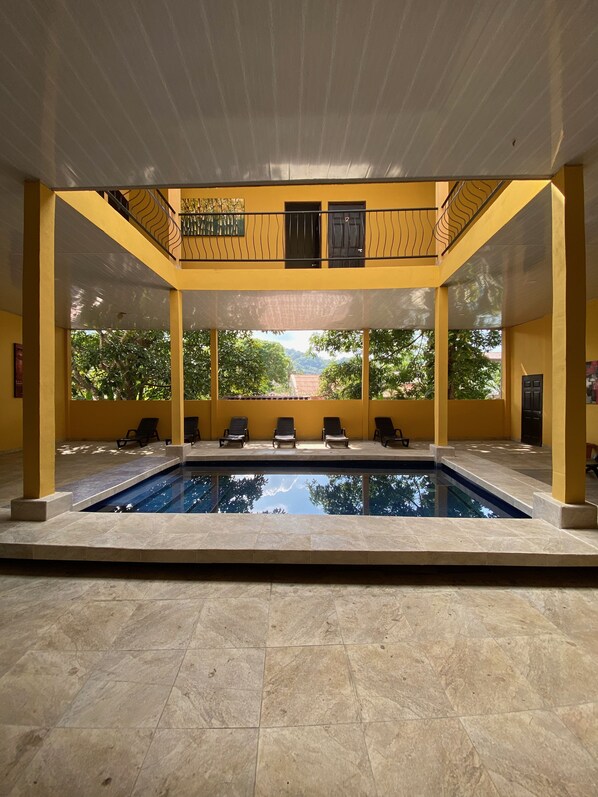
(402,363)
(135,364)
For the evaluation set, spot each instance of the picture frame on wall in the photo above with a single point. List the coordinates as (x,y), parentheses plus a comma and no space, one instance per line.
(592,382)
(18,370)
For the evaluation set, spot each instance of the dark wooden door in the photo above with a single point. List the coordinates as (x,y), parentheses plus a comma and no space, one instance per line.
(531,409)
(302,235)
(346,234)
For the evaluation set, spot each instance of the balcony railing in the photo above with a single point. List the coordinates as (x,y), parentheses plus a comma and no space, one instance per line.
(148,209)
(466,200)
(305,239)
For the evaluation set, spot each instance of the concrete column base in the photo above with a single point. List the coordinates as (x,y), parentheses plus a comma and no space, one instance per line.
(563,516)
(39,509)
(441,451)
(182,452)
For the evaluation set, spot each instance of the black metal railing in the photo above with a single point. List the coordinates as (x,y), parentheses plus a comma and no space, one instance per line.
(148,209)
(342,238)
(464,203)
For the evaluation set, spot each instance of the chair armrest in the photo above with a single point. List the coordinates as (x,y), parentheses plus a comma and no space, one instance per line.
(376,434)
(224,433)
(399,432)
(323,433)
(343,431)
(129,432)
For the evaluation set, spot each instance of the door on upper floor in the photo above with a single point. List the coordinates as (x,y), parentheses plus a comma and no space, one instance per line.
(346,234)
(302,234)
(531,409)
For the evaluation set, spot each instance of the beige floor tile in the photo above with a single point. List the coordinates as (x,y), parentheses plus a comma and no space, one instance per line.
(303,620)
(87,626)
(557,667)
(232,623)
(533,753)
(572,611)
(158,667)
(74,762)
(159,624)
(308,686)
(116,704)
(193,763)
(41,685)
(396,682)
(371,619)
(440,613)
(506,614)
(327,759)
(583,722)
(479,678)
(118,589)
(216,689)
(426,758)
(18,745)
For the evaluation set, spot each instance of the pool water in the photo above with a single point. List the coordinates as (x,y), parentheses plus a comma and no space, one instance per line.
(343,491)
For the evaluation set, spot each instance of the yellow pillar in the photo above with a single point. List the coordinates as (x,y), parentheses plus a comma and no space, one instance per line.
(441,367)
(568,336)
(365,386)
(213,384)
(505,379)
(177,381)
(39,429)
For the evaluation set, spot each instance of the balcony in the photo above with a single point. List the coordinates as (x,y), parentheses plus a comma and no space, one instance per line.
(347,235)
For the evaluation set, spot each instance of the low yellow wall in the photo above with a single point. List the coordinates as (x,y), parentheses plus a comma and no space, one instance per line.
(11,409)
(468,420)
(308,416)
(107,420)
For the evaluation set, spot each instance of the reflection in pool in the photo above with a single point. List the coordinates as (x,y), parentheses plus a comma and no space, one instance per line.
(405,493)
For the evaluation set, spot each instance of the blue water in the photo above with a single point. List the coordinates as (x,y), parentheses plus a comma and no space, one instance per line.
(405,493)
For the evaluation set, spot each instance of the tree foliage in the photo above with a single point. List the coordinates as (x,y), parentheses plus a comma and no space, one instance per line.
(402,364)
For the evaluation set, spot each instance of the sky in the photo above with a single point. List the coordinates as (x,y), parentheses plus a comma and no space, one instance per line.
(295,339)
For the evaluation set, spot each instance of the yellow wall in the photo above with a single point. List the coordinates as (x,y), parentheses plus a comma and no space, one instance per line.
(107,420)
(11,409)
(272,199)
(531,353)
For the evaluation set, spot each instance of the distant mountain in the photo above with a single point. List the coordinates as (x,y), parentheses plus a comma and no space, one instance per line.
(303,364)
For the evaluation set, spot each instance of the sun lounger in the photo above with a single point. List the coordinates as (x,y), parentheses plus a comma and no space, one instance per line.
(284,432)
(146,431)
(333,432)
(386,432)
(237,432)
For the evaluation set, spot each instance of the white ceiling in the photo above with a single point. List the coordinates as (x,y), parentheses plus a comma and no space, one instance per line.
(104,93)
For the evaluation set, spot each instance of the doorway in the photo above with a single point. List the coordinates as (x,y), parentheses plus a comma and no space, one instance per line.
(346,234)
(531,409)
(302,235)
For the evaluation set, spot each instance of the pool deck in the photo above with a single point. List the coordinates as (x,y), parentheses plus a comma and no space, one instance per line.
(507,469)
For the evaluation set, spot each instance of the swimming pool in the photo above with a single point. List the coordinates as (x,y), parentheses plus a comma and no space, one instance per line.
(263,488)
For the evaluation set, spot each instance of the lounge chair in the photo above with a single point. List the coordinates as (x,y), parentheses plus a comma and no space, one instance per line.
(333,432)
(237,432)
(191,429)
(146,431)
(285,432)
(386,432)
(592,458)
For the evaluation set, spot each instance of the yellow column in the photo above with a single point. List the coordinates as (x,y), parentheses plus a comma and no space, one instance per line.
(365,386)
(38,342)
(568,336)
(441,367)
(213,383)
(177,381)
(505,379)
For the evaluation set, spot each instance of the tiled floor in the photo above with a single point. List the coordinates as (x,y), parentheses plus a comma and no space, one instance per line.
(127,680)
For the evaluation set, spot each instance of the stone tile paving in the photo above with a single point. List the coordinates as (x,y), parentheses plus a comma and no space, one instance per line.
(146,680)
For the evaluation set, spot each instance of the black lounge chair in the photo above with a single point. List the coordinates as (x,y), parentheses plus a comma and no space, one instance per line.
(386,432)
(592,459)
(146,431)
(237,432)
(333,432)
(191,429)
(285,432)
